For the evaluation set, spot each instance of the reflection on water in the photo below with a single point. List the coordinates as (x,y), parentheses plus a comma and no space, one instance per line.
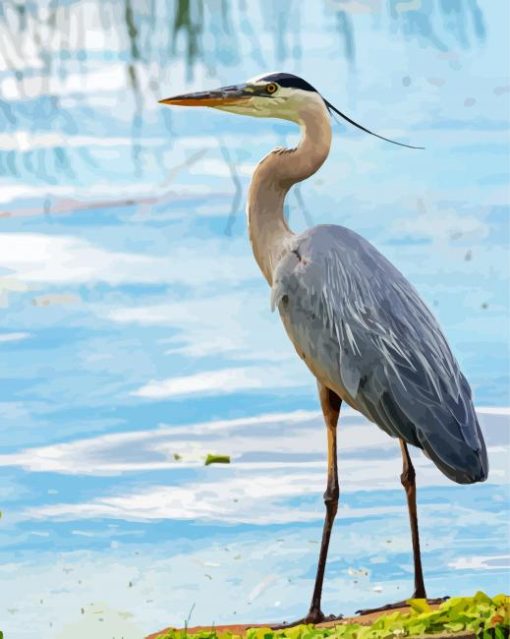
(462,19)
(45,44)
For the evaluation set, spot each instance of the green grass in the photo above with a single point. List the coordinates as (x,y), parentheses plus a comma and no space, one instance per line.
(488,618)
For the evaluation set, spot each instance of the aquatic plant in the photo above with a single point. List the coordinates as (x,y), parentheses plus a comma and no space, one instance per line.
(480,615)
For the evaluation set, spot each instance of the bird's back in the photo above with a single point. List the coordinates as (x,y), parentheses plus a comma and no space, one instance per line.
(364,331)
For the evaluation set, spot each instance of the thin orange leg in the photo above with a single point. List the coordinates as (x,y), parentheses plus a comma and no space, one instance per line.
(330,404)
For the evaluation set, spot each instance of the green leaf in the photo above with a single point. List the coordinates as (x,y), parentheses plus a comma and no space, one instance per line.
(217,459)
(481,597)
(419,605)
(417,628)
(455,604)
(454,626)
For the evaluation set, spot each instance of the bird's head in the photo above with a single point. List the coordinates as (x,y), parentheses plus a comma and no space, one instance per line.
(275,95)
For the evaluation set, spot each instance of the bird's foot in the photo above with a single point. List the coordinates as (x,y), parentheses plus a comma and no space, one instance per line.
(398,604)
(313,617)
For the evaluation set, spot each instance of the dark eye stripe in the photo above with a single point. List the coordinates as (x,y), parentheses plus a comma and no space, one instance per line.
(261,90)
(289,81)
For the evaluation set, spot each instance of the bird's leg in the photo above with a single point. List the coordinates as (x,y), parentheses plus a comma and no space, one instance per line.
(330,404)
(408,480)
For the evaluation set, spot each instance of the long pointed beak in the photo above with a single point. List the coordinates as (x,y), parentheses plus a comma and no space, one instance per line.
(225,96)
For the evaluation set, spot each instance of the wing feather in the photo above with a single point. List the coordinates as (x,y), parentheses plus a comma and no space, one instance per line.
(362,328)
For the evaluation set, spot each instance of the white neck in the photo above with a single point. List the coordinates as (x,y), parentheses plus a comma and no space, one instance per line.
(275,175)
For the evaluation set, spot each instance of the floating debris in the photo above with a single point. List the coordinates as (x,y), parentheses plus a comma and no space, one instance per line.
(217,459)
(56,299)
(357,572)
(436,82)
(177,457)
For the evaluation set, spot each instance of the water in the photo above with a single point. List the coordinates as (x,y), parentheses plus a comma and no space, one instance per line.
(135,325)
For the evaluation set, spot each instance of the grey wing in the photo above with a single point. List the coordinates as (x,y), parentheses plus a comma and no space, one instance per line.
(363,330)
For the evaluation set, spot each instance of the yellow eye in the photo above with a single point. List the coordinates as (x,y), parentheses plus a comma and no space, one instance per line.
(271,88)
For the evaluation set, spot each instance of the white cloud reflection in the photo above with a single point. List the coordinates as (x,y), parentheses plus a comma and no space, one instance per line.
(218,382)
(275,459)
(39,258)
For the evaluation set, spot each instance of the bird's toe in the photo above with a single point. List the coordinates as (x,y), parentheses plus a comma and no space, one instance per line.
(313,617)
(399,604)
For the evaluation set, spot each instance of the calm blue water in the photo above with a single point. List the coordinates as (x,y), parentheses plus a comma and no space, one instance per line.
(136,335)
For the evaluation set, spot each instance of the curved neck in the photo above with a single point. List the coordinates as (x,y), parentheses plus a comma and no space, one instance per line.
(274,176)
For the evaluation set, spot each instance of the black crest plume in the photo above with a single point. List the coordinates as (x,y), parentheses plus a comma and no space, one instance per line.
(332,108)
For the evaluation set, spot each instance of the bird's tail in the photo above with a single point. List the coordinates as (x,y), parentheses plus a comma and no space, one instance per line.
(457,459)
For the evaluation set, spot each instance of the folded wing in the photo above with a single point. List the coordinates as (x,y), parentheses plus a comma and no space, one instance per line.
(360,325)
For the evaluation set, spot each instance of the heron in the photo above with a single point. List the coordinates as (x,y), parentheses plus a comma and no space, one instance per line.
(356,322)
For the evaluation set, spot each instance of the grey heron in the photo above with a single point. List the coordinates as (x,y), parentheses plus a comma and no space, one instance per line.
(353,318)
